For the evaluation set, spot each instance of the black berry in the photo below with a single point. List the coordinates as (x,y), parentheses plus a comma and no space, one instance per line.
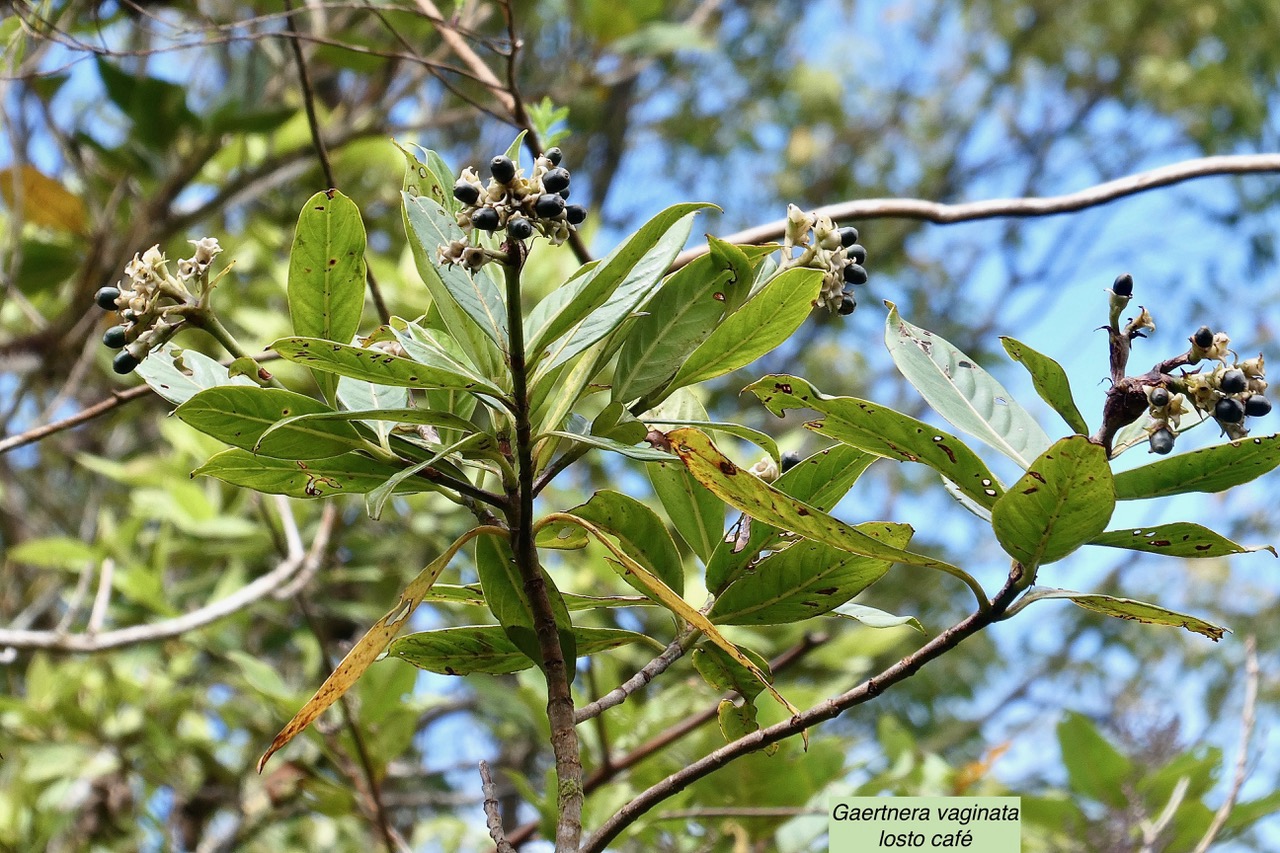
(790,459)
(1229,411)
(848,236)
(857,253)
(1203,337)
(124,362)
(847,304)
(1257,406)
(106,298)
(855,274)
(1161,441)
(555,155)
(564,193)
(556,180)
(519,228)
(1159,397)
(502,169)
(114,337)
(486,219)
(1123,286)
(1233,382)
(465,192)
(548,206)
(575,213)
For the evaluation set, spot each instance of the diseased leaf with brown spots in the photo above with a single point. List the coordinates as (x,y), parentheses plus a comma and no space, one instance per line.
(1138,611)
(1210,469)
(375,365)
(1180,539)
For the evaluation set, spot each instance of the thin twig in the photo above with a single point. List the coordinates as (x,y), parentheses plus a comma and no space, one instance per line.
(102,598)
(1248,717)
(1151,830)
(946,214)
(492,814)
(479,70)
(619,694)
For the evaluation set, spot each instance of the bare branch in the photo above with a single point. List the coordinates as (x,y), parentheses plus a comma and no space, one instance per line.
(492,816)
(947,214)
(619,694)
(1248,716)
(479,70)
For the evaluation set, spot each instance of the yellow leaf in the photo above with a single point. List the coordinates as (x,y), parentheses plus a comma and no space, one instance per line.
(44,201)
(371,645)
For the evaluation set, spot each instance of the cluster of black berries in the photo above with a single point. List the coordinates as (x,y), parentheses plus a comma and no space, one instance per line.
(835,251)
(151,302)
(521,206)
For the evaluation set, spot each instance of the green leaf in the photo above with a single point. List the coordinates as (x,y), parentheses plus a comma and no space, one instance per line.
(631,270)
(381,418)
(873,618)
(766,320)
(157,108)
(1050,381)
(358,395)
(426,346)
(513,150)
(677,319)
(807,579)
(52,552)
(375,365)
(884,432)
(505,595)
(640,533)
(1211,469)
(724,673)
(962,392)
(240,417)
(643,454)
(467,650)
(821,481)
(327,269)
(1127,608)
(376,499)
(178,374)
(1064,500)
(1095,768)
(561,537)
(428,176)
(748,493)
(349,473)
(1180,539)
(697,514)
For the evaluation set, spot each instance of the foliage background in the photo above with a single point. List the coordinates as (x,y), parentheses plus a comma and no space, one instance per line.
(166,122)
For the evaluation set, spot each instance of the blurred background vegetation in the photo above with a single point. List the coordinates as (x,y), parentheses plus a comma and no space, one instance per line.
(131,123)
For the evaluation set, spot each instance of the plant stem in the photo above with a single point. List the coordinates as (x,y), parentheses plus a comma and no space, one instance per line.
(560,714)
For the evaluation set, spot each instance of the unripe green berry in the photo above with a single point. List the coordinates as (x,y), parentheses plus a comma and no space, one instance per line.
(555,155)
(548,206)
(1159,397)
(1229,411)
(848,236)
(857,253)
(1123,285)
(115,337)
(106,298)
(855,274)
(1203,337)
(486,219)
(466,192)
(1233,382)
(124,362)
(847,304)
(519,228)
(576,214)
(556,180)
(1161,441)
(1257,406)
(502,169)
(790,459)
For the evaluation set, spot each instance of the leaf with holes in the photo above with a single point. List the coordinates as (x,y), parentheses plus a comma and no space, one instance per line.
(1138,611)
(375,365)
(1064,500)
(962,392)
(1211,469)
(1180,539)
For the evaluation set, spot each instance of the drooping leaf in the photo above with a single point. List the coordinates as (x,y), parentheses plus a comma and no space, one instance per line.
(377,498)
(640,533)
(724,673)
(485,648)
(473,595)
(567,312)
(962,392)
(697,514)
(804,580)
(1211,469)
(766,320)
(178,375)
(820,481)
(873,618)
(884,432)
(1050,381)
(364,652)
(240,415)
(679,317)
(751,495)
(327,269)
(1063,501)
(761,440)
(1138,611)
(349,473)
(375,365)
(507,600)
(1180,539)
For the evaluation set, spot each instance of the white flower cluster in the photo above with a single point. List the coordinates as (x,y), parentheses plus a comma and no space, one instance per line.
(813,241)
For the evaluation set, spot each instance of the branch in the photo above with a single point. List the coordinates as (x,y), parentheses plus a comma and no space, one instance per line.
(619,694)
(1247,719)
(492,816)
(947,214)
(827,710)
(248,594)
(481,72)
